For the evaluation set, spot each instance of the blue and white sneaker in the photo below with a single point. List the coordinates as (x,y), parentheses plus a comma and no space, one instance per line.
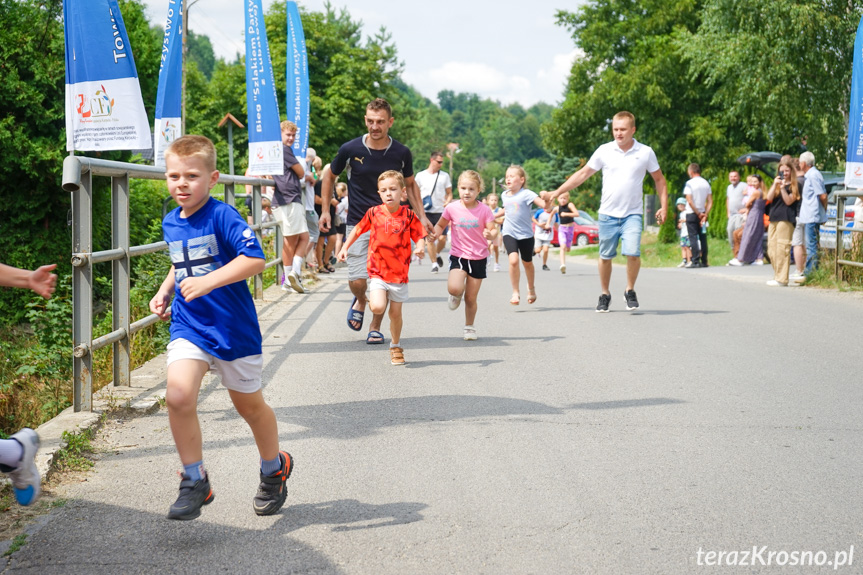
(26,482)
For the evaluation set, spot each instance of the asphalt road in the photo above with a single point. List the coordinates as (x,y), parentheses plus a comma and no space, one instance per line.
(722,415)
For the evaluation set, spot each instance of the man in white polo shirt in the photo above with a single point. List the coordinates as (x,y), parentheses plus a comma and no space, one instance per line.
(624,163)
(699,200)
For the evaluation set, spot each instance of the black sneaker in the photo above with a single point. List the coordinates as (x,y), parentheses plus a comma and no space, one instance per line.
(272,492)
(631,300)
(440,261)
(193,494)
(545,268)
(604,300)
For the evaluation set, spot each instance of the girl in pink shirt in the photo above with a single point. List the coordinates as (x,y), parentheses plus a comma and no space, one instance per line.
(471,226)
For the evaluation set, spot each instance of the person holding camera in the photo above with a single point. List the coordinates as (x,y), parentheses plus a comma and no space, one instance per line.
(784,198)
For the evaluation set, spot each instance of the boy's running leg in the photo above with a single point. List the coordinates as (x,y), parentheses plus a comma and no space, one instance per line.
(397,356)
(181,397)
(276,466)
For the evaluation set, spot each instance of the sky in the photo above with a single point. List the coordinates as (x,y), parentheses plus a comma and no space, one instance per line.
(486,48)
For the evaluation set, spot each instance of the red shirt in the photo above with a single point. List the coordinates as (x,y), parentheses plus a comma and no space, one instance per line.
(390,242)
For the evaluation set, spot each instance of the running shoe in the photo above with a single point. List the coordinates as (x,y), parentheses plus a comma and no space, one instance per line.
(545,268)
(296,282)
(435,267)
(284,283)
(193,495)
(631,300)
(454,302)
(604,300)
(273,491)
(497,267)
(563,269)
(26,482)
(397,356)
(469,333)
(440,261)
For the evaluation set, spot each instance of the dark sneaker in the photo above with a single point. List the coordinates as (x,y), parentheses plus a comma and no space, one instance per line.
(440,261)
(193,494)
(604,300)
(26,482)
(272,492)
(545,268)
(631,300)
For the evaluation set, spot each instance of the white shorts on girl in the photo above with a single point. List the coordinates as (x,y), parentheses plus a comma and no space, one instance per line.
(395,292)
(242,374)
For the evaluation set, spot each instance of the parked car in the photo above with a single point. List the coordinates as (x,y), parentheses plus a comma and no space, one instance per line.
(586,231)
(828,228)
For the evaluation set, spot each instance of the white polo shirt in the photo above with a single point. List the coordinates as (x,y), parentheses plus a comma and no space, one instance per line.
(699,189)
(623,177)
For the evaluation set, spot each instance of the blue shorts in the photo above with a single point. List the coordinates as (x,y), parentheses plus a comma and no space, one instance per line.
(612,230)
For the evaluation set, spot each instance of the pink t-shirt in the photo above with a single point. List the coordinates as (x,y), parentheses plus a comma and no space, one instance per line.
(466,226)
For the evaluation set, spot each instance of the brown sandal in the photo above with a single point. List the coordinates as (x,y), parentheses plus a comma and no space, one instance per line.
(531,296)
(397,356)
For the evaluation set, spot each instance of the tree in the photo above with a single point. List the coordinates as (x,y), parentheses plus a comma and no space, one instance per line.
(780,72)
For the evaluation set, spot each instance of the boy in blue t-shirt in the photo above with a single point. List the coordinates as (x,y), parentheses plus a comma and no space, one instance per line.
(213,325)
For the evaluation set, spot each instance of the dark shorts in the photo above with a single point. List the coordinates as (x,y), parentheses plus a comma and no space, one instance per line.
(433,217)
(474,268)
(523,247)
(341,229)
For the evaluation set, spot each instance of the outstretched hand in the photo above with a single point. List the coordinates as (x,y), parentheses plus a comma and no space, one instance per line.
(42,281)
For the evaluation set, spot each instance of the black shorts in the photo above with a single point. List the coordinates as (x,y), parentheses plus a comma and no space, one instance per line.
(342,229)
(474,268)
(433,217)
(524,247)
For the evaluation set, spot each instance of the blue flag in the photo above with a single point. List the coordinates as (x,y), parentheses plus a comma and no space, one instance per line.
(266,153)
(297,80)
(168,124)
(104,108)
(854,156)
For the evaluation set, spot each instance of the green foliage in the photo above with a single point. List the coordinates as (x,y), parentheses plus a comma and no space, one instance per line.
(201,53)
(17,543)
(74,455)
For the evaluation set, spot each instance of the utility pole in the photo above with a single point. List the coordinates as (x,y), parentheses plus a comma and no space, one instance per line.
(230,121)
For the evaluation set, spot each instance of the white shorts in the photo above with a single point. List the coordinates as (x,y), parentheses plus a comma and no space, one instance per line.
(539,242)
(242,374)
(395,292)
(291,219)
(358,256)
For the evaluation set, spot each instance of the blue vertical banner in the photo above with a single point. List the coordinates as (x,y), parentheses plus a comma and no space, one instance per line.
(854,156)
(266,154)
(297,80)
(104,107)
(167,126)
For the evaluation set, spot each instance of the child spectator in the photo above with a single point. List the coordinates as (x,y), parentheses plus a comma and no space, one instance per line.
(543,223)
(18,453)
(685,250)
(393,227)
(471,226)
(213,326)
(566,214)
(340,223)
(518,230)
(494,243)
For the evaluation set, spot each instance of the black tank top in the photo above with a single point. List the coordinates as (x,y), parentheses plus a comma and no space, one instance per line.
(565,220)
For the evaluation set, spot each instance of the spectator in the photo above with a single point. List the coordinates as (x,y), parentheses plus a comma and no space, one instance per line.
(699,200)
(309,204)
(752,239)
(685,250)
(436,190)
(813,210)
(733,204)
(784,198)
(327,240)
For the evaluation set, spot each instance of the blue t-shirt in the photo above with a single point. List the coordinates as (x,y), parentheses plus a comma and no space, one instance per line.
(518,207)
(224,322)
(363,166)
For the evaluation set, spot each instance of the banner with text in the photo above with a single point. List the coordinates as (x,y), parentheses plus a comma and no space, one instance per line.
(297,80)
(104,108)
(168,124)
(854,156)
(266,154)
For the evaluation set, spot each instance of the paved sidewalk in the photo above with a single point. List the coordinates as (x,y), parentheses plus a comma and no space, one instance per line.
(722,415)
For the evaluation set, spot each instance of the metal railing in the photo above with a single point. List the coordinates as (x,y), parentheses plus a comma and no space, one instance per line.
(77,179)
(841,229)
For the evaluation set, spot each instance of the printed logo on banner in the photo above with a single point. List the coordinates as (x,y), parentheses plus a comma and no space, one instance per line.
(97,105)
(169,131)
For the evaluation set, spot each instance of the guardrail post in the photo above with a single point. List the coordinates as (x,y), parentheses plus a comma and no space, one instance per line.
(121,309)
(258,280)
(82,294)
